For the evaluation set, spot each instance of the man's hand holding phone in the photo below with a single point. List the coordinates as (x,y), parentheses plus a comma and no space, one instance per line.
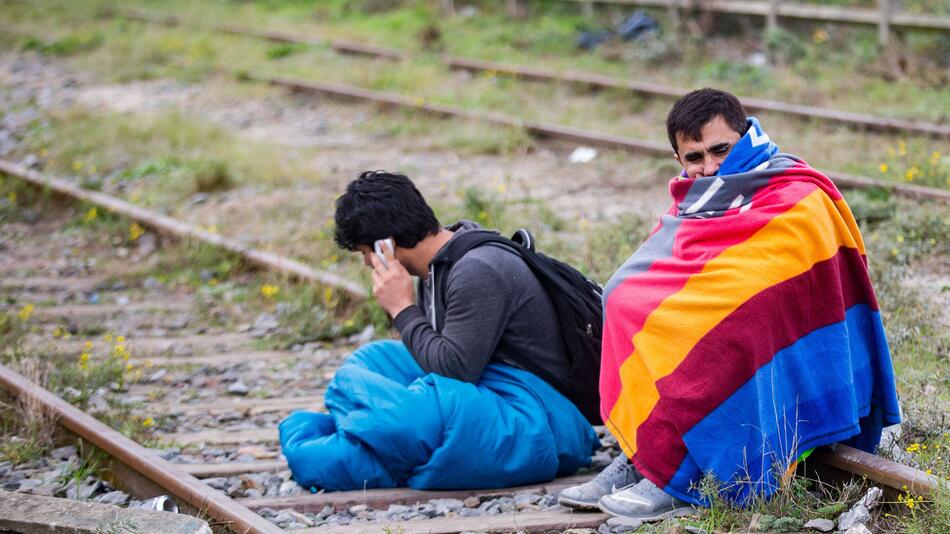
(392,284)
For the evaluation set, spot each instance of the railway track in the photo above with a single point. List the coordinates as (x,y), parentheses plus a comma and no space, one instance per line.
(218,398)
(541,130)
(557,132)
(577,78)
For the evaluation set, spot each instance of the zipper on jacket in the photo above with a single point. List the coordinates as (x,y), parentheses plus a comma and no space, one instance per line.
(432,297)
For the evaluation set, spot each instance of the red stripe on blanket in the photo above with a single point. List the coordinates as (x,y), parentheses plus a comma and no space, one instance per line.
(646,290)
(729,355)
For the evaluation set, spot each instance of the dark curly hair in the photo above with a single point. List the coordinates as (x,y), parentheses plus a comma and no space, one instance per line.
(380,204)
(691,112)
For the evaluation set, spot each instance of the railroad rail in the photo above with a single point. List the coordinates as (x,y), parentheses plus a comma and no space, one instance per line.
(182,230)
(557,131)
(579,78)
(144,474)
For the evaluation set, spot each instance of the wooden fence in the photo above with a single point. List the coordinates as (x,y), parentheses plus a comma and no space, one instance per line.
(885,17)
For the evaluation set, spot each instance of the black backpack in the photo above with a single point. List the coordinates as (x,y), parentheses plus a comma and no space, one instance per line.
(577,301)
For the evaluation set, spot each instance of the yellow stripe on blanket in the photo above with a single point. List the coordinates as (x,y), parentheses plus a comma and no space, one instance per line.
(811,231)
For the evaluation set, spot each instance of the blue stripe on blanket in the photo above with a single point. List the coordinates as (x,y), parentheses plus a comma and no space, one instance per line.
(818,391)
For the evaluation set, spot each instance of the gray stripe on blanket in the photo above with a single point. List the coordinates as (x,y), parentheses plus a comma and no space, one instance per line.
(657,247)
(713,195)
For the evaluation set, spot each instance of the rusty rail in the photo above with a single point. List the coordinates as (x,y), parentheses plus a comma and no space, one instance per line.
(585,79)
(560,132)
(182,230)
(139,459)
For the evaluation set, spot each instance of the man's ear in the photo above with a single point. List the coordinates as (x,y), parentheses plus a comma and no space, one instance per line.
(677,158)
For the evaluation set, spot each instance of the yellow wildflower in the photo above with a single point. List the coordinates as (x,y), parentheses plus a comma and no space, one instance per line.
(135,231)
(348,323)
(84,357)
(128,367)
(883,167)
(90,215)
(913,447)
(107,338)
(900,239)
(26,312)
(895,251)
(328,297)
(77,165)
(120,339)
(148,422)
(58,332)
(819,36)
(269,290)
(213,282)
(87,345)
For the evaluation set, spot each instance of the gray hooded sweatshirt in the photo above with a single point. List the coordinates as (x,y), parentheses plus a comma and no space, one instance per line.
(494,309)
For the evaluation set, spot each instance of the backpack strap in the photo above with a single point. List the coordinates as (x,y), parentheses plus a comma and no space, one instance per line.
(466,241)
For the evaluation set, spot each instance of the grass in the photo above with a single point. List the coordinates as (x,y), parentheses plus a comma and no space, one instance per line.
(827,147)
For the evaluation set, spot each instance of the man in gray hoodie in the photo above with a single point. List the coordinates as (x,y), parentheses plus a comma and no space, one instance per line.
(460,402)
(487,307)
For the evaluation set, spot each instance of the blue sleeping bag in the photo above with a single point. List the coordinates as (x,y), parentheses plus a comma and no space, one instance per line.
(390,424)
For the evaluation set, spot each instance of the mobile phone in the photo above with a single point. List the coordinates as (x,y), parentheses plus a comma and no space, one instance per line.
(378,249)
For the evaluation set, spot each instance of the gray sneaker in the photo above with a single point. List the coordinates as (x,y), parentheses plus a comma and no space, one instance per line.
(646,502)
(620,473)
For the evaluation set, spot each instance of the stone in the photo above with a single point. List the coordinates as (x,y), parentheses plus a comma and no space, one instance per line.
(238,388)
(623,524)
(148,243)
(398,508)
(857,515)
(112,497)
(821,525)
(31,513)
(83,490)
(357,508)
(872,498)
(152,283)
(64,453)
(218,483)
(472,502)
(288,488)
(442,506)
(696,530)
(858,529)
(266,322)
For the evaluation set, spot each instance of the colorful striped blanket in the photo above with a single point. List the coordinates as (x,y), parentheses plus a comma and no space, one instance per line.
(744,332)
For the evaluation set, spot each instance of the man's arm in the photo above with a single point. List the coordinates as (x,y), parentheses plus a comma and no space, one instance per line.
(478,308)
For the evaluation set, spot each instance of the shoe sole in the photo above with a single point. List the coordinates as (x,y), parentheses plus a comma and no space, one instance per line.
(646,518)
(567,502)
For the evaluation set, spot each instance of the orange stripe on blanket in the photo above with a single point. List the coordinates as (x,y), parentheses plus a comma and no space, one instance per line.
(810,232)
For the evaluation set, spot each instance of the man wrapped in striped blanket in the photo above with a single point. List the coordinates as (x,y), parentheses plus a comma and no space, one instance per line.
(743,333)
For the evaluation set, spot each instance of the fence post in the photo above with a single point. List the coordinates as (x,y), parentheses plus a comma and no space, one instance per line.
(674,15)
(448,8)
(588,7)
(515,9)
(772,17)
(884,27)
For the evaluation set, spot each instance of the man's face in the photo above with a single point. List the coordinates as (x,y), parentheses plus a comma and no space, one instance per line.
(703,157)
(367,252)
